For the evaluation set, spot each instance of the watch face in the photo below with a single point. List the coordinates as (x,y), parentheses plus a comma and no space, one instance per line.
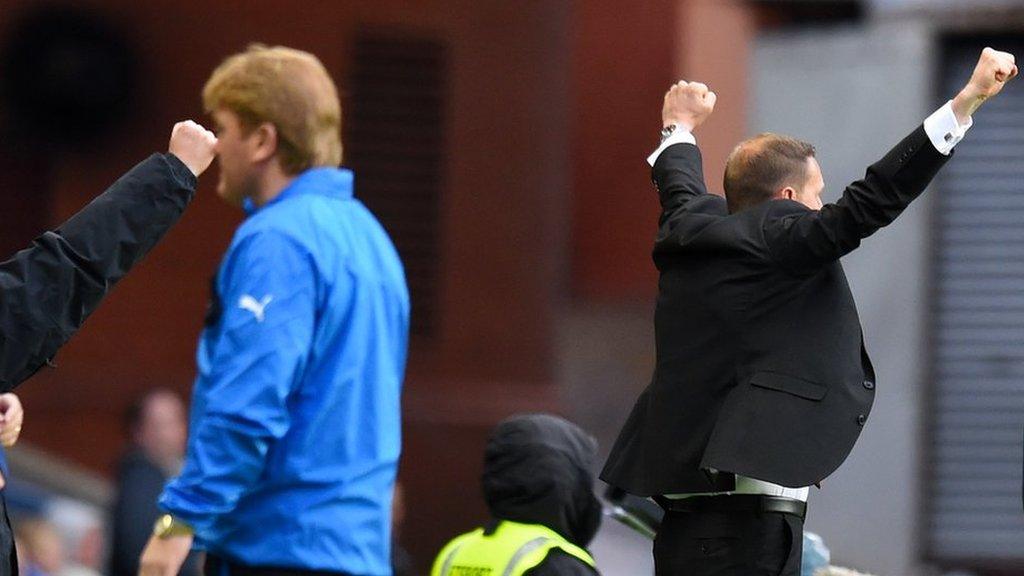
(162,524)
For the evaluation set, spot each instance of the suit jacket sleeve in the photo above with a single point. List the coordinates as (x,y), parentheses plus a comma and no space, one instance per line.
(803,240)
(678,174)
(49,289)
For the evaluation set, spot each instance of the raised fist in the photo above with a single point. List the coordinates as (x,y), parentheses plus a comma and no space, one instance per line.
(193,145)
(687,104)
(993,71)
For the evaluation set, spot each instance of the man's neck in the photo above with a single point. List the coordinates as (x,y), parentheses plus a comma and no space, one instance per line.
(271,187)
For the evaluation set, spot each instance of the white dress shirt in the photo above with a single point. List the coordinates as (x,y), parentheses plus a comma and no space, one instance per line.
(942,128)
(944,132)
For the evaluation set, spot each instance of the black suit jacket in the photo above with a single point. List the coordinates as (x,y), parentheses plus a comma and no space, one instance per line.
(761,369)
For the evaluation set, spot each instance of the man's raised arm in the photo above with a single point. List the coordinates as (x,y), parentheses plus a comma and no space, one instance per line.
(804,240)
(48,289)
(677,171)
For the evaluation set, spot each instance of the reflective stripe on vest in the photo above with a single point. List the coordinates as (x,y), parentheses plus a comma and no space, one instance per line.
(511,550)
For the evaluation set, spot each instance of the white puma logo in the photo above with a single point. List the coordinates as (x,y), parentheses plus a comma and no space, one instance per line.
(249,303)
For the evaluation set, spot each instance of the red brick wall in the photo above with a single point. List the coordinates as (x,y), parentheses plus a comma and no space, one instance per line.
(622,65)
(624,61)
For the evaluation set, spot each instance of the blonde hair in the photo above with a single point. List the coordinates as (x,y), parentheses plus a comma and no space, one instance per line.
(288,88)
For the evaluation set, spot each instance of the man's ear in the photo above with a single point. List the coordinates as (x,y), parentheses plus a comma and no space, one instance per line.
(265,141)
(786,193)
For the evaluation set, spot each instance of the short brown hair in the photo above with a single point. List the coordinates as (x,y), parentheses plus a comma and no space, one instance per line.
(288,88)
(760,166)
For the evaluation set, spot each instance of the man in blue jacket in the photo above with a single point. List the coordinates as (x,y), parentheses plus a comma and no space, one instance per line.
(294,433)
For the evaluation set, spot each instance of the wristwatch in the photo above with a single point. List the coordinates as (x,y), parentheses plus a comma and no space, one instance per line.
(168,526)
(667,131)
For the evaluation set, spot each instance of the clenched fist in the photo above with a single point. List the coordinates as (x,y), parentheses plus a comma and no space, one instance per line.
(687,104)
(193,145)
(993,71)
(12,415)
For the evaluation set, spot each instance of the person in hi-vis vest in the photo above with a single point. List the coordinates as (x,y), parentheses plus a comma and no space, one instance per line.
(539,490)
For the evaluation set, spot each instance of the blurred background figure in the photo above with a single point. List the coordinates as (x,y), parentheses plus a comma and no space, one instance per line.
(157,429)
(401,561)
(815,554)
(80,527)
(40,549)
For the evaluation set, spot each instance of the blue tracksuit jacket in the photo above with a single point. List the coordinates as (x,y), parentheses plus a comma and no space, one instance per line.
(294,435)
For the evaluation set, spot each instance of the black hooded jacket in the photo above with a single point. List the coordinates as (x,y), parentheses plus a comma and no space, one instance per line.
(50,288)
(537,470)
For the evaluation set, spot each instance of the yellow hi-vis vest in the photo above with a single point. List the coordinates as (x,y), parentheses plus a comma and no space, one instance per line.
(510,550)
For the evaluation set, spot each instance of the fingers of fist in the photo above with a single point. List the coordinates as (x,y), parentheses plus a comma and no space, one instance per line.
(688,104)
(192,130)
(193,145)
(688,88)
(998,66)
(693,91)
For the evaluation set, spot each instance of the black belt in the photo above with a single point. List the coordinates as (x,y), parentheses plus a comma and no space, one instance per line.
(734,503)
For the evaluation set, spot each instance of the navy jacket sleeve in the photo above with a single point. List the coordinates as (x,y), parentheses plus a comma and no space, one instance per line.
(49,289)
(802,240)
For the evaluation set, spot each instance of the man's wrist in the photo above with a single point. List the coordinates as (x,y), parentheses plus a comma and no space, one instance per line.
(679,135)
(679,125)
(167,526)
(966,103)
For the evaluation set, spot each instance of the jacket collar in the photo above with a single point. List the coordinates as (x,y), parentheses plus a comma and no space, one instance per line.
(331,182)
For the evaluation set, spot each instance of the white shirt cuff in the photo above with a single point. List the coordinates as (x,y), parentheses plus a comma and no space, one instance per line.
(679,136)
(943,129)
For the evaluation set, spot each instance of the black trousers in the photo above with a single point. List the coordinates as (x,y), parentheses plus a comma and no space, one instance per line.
(8,553)
(729,544)
(217,566)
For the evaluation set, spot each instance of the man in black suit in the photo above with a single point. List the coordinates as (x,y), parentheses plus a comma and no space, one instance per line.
(762,383)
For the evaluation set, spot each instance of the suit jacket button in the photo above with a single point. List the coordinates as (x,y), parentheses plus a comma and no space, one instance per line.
(861,420)
(869,384)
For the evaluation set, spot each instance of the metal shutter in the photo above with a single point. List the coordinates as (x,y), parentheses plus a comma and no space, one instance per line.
(975,431)
(395,145)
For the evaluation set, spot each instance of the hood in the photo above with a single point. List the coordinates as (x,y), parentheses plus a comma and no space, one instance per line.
(537,470)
